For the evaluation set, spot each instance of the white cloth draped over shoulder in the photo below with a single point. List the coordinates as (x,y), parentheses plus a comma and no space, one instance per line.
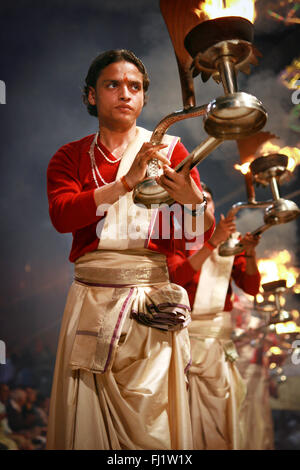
(122,233)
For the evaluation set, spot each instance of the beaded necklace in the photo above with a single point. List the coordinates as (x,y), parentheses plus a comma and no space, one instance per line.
(95,170)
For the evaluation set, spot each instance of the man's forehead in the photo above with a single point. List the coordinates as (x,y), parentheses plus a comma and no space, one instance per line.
(122,71)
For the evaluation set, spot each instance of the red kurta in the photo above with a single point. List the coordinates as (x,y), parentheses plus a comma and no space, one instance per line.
(182,273)
(71,187)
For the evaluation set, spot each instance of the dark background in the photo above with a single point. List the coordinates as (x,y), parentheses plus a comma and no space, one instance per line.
(46,49)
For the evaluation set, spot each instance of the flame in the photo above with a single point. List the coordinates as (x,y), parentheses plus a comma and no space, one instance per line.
(287,327)
(295,314)
(283,378)
(259,298)
(278,267)
(282,301)
(292,152)
(244,168)
(274,350)
(296,289)
(211,9)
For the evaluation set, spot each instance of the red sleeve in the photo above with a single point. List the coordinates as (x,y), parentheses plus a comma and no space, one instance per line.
(70,208)
(181,271)
(248,283)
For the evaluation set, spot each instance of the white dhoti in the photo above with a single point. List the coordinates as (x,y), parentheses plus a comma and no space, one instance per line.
(216,389)
(119,384)
(256,414)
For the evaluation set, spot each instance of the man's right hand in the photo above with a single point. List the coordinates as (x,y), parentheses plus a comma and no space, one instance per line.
(224,228)
(138,168)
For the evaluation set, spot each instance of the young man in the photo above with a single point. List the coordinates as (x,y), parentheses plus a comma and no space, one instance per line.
(216,389)
(119,380)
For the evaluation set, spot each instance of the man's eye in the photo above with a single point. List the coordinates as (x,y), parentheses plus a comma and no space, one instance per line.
(136,86)
(112,85)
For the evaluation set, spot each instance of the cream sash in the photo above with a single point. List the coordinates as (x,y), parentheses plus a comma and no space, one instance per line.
(208,318)
(118,285)
(126,225)
(213,285)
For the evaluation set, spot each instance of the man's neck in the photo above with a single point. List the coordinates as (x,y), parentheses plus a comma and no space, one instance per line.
(116,140)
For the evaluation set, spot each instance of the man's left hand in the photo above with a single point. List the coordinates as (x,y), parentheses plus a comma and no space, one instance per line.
(180,185)
(250,242)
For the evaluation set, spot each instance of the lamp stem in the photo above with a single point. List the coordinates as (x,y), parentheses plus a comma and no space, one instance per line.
(277,301)
(274,188)
(228,74)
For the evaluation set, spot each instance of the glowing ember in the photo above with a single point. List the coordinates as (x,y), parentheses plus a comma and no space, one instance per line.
(274,350)
(278,267)
(296,289)
(244,168)
(293,153)
(259,298)
(295,314)
(288,327)
(211,9)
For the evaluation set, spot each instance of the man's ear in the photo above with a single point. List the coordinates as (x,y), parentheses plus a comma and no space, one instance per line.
(92,96)
(145,99)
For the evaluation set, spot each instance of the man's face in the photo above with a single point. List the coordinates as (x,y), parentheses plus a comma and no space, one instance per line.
(31,394)
(22,398)
(4,393)
(119,96)
(210,202)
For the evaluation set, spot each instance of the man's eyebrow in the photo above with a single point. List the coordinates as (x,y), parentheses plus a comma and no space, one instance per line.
(118,80)
(110,80)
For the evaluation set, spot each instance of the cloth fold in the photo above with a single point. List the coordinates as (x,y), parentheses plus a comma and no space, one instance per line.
(109,299)
(216,390)
(141,399)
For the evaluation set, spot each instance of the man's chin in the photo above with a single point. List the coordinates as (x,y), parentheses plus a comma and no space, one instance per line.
(123,125)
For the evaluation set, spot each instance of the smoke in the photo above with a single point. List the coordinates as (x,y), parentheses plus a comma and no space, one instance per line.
(276,100)
(277,238)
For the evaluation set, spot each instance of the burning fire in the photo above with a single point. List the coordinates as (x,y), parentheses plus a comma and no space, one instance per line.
(292,152)
(278,267)
(244,168)
(287,327)
(274,350)
(211,9)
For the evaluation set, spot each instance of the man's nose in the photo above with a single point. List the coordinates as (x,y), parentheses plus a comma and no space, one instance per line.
(124,93)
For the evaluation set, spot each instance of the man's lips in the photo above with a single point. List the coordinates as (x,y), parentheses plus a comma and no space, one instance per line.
(124,107)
